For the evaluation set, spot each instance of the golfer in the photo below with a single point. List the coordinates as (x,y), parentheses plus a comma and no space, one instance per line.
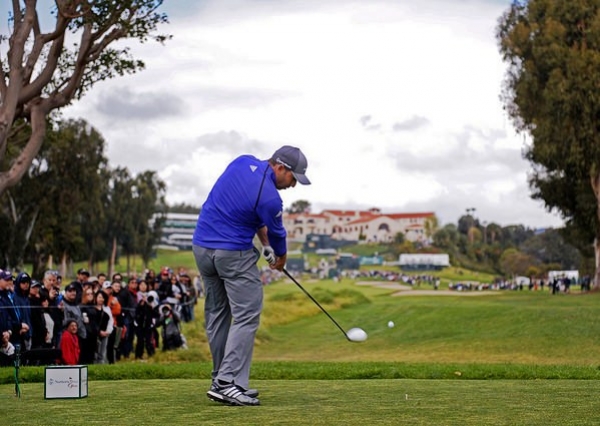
(244,202)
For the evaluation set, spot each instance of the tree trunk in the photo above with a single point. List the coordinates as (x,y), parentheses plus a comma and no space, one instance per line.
(596,284)
(23,161)
(595,181)
(113,257)
(63,267)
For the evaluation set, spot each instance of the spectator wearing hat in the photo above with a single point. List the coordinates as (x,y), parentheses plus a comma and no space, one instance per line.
(165,289)
(20,328)
(72,311)
(82,277)
(21,301)
(7,321)
(39,331)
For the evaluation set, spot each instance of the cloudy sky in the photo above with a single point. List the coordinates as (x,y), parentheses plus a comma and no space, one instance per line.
(395,103)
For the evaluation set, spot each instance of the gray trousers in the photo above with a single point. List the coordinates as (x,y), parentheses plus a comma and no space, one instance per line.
(100,357)
(232,306)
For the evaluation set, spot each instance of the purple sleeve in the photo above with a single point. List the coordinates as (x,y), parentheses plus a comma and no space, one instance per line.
(271,214)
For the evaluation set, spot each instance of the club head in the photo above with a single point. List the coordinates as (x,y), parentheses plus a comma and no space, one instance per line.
(356,335)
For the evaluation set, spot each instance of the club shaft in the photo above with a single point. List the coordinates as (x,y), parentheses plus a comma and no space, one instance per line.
(314,300)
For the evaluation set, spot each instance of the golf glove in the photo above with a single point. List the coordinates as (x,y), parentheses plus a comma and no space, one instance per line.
(269,255)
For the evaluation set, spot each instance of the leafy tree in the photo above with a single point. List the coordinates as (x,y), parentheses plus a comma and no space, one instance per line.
(550,247)
(42,72)
(50,208)
(148,196)
(131,221)
(300,206)
(431,225)
(492,232)
(399,238)
(515,235)
(182,208)
(475,235)
(514,262)
(552,93)
(466,222)
(68,173)
(447,237)
(119,214)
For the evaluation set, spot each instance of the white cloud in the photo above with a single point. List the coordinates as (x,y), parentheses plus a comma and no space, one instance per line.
(395,103)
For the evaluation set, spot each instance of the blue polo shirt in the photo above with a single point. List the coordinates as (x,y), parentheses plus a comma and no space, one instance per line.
(243,200)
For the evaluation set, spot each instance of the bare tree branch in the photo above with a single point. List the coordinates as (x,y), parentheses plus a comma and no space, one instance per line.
(41,74)
(71,12)
(35,88)
(98,48)
(17,10)
(27,154)
(40,40)
(15,53)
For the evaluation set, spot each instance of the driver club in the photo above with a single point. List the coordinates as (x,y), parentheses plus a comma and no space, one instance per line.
(353,335)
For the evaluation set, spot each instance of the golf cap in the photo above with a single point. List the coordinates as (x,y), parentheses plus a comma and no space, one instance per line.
(5,275)
(106,284)
(83,271)
(293,159)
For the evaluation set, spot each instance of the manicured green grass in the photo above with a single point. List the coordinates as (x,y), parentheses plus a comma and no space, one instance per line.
(513,357)
(316,402)
(298,370)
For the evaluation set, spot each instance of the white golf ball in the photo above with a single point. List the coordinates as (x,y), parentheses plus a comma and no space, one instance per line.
(356,335)
(390,324)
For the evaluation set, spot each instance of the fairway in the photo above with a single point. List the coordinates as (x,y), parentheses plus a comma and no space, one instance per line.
(316,402)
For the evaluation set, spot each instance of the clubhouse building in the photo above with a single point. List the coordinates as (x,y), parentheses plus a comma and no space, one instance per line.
(343,225)
(358,225)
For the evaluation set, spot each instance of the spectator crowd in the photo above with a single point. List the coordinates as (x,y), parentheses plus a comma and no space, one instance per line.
(93,320)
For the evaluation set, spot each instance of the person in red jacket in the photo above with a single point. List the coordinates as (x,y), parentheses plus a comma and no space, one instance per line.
(69,344)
